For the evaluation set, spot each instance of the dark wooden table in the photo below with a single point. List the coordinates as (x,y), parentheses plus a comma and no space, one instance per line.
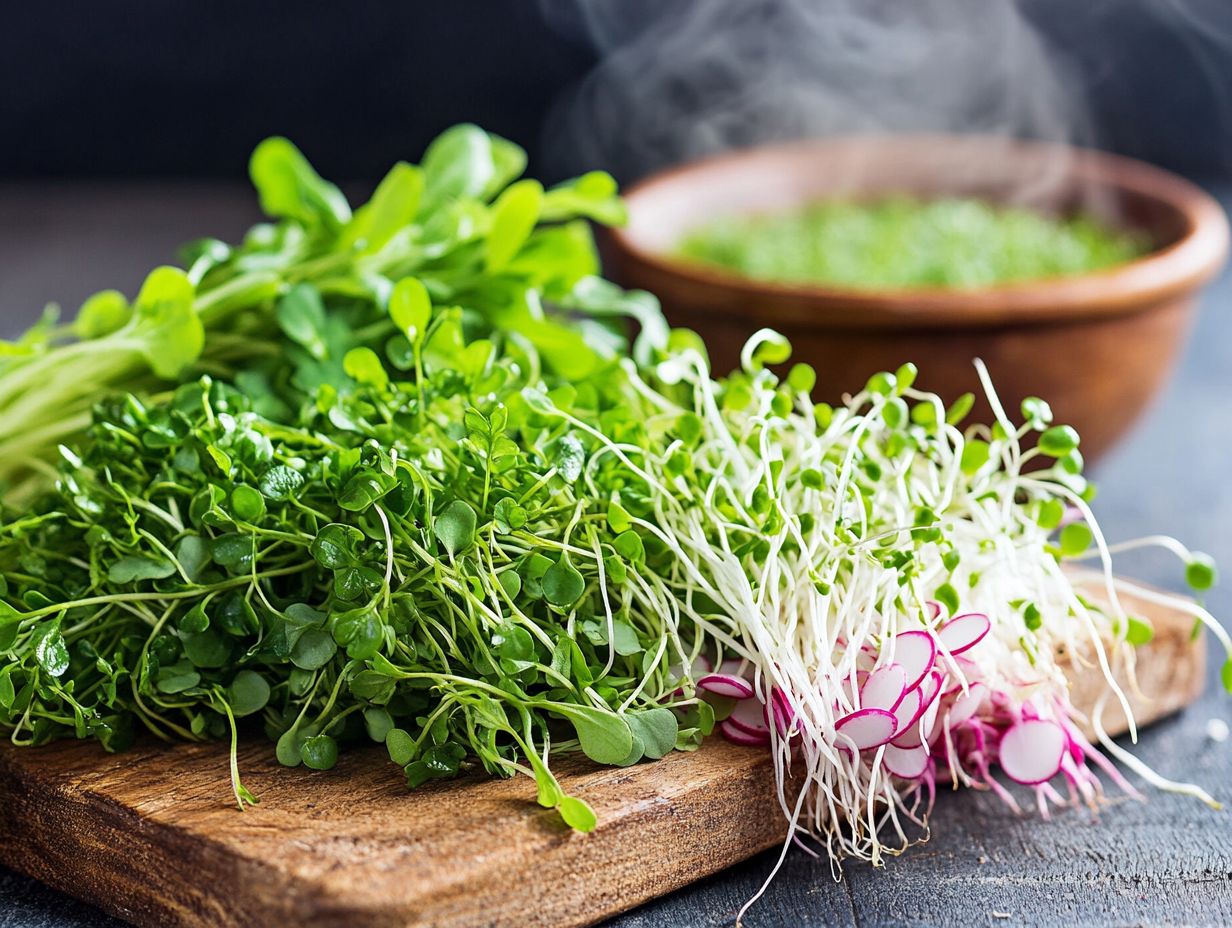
(1166,862)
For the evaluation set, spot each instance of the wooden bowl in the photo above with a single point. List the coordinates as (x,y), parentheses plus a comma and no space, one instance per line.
(1096,346)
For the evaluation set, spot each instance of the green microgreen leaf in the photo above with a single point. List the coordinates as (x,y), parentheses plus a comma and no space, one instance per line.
(1058,441)
(577,814)
(247,503)
(280,483)
(455,526)
(1075,539)
(135,568)
(410,307)
(314,649)
(1200,572)
(562,584)
(975,455)
(290,188)
(50,649)
(301,315)
(605,736)
(948,597)
(248,693)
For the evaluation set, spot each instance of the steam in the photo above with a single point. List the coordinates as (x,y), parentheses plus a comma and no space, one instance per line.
(681,80)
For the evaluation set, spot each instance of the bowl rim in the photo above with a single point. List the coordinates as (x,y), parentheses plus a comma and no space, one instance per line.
(1153,279)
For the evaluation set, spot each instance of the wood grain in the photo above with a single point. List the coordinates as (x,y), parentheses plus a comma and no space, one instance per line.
(148,835)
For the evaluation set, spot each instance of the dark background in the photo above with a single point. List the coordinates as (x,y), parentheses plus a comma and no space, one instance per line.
(150,88)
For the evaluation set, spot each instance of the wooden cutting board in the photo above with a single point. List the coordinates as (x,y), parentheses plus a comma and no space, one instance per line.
(150,836)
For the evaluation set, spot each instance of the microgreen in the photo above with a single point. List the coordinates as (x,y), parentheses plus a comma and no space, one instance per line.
(460,225)
(901,242)
(420,491)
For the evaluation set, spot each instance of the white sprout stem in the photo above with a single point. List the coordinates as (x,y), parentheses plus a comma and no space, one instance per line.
(1136,765)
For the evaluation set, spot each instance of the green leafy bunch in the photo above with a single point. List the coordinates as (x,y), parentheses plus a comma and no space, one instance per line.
(460,222)
(417,562)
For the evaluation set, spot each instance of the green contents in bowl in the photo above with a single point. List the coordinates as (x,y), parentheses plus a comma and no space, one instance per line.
(901,242)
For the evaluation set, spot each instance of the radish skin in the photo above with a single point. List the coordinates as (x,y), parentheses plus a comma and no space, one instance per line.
(722,684)
(964,632)
(739,735)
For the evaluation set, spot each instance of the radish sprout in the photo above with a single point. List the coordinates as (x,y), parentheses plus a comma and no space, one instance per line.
(892,587)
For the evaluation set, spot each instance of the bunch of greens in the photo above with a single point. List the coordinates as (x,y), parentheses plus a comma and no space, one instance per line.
(395,566)
(900,243)
(460,222)
(397,500)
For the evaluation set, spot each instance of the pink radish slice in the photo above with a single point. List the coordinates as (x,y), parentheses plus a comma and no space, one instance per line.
(916,652)
(750,716)
(780,711)
(908,710)
(739,735)
(722,684)
(733,667)
(928,722)
(930,689)
(964,631)
(967,705)
(1031,752)
(908,763)
(917,733)
(909,735)
(884,688)
(934,609)
(867,728)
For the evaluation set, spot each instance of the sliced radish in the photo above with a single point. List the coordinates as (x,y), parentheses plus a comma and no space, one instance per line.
(722,684)
(866,659)
(967,705)
(908,711)
(739,735)
(884,688)
(908,763)
(917,733)
(750,715)
(964,631)
(733,666)
(916,652)
(867,728)
(780,711)
(934,609)
(1031,752)
(931,687)
(928,721)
